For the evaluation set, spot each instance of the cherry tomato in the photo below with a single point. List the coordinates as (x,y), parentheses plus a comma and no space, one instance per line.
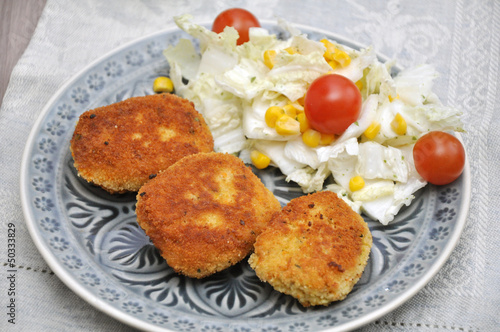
(439,157)
(333,103)
(238,18)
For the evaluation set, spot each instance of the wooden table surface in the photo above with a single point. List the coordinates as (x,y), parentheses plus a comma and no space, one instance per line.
(18,20)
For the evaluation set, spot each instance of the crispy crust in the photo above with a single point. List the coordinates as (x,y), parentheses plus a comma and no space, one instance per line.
(119,146)
(204,212)
(315,250)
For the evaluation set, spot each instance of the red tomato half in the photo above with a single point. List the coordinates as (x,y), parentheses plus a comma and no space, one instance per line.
(439,157)
(333,103)
(238,18)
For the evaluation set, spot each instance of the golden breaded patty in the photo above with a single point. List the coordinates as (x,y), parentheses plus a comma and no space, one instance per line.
(120,146)
(314,250)
(204,212)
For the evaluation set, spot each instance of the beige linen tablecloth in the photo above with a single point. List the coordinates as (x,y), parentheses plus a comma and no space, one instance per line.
(461,38)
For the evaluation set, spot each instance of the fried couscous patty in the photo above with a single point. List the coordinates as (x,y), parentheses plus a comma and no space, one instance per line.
(121,146)
(314,250)
(204,212)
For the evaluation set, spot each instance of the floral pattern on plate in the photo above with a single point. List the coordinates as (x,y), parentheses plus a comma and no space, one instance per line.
(93,240)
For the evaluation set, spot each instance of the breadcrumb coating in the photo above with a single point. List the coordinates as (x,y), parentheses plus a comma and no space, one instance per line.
(315,249)
(205,212)
(120,146)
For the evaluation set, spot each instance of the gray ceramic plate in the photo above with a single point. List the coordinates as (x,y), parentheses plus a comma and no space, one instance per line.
(91,240)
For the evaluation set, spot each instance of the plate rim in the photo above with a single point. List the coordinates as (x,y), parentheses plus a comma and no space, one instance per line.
(431,273)
(132,321)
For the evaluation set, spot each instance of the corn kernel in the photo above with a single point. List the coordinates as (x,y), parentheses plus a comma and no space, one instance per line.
(359,84)
(303,122)
(292,50)
(269,57)
(302,100)
(272,114)
(163,84)
(356,183)
(299,108)
(286,125)
(399,124)
(330,49)
(327,139)
(259,160)
(333,64)
(311,138)
(372,130)
(327,43)
(290,110)
(342,58)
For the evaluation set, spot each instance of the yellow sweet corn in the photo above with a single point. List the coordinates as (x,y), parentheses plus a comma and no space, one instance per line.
(342,58)
(303,122)
(356,183)
(372,130)
(334,56)
(292,50)
(299,108)
(311,138)
(330,49)
(302,100)
(326,139)
(398,124)
(290,110)
(269,57)
(163,84)
(259,160)
(272,114)
(332,64)
(359,84)
(286,125)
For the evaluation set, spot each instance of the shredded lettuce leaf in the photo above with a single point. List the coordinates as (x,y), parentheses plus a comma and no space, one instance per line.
(232,88)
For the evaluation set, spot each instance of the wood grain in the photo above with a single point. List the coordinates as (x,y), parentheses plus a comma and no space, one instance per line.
(18,20)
